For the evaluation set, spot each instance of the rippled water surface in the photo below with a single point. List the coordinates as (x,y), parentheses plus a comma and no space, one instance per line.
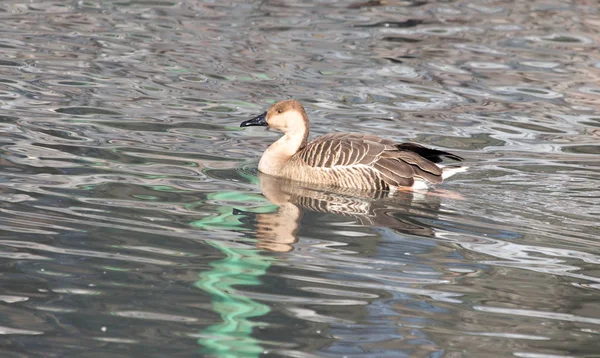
(134,222)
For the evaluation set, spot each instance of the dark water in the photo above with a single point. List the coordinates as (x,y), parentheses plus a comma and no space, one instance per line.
(133,221)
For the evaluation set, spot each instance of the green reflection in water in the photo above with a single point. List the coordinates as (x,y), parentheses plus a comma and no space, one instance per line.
(146,197)
(233,337)
(227,218)
(242,265)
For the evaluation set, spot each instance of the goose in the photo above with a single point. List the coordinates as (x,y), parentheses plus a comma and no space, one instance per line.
(347,160)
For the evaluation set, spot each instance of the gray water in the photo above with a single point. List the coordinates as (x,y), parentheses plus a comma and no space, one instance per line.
(134,222)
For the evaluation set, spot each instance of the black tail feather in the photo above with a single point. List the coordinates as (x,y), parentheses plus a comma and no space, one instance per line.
(433,155)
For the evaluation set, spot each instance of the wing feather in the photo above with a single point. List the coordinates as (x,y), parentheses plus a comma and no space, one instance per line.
(433,155)
(395,172)
(371,160)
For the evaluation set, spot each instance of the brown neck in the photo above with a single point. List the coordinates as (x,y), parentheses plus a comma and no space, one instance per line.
(306,126)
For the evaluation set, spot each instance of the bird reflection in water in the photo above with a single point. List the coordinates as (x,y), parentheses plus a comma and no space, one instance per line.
(400,212)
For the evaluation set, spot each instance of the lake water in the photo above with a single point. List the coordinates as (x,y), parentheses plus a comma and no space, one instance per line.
(133,221)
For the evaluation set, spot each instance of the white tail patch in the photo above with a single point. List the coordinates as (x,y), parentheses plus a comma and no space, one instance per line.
(447,172)
(420,184)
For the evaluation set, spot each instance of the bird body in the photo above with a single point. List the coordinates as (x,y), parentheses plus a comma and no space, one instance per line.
(349,160)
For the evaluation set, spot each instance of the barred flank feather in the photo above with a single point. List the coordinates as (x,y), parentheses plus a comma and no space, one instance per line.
(350,158)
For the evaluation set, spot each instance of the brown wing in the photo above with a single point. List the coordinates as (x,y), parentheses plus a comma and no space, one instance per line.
(397,167)
(341,149)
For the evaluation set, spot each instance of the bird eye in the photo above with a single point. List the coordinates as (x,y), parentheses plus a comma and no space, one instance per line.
(279,111)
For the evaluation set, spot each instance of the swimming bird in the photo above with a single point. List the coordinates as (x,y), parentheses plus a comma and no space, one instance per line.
(347,160)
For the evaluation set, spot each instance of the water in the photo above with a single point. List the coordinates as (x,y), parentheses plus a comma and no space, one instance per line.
(134,223)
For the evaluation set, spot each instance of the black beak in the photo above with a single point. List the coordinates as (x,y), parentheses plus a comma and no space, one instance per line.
(256,121)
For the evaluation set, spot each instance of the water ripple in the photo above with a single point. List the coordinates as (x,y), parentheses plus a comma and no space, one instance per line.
(87,253)
(134,221)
